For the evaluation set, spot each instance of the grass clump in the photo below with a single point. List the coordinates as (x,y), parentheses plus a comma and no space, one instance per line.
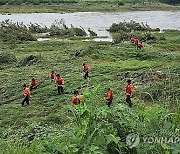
(27,60)
(7,58)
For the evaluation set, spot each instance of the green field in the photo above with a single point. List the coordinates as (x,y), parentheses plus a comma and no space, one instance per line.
(82,6)
(36,2)
(50,124)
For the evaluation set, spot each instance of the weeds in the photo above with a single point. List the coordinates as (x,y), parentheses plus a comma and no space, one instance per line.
(28,60)
(120,2)
(36,28)
(125,30)
(7,58)
(59,28)
(14,32)
(131,26)
(50,124)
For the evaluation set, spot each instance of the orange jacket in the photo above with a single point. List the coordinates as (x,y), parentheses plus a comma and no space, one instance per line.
(136,41)
(75,100)
(140,45)
(53,75)
(86,68)
(34,83)
(129,89)
(109,95)
(59,81)
(132,40)
(26,92)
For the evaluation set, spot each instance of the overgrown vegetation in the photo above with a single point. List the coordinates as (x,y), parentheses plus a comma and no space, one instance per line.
(59,28)
(14,32)
(36,28)
(7,58)
(125,30)
(50,124)
(120,2)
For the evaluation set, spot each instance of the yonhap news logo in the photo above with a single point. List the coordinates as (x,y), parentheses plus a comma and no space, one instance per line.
(133,140)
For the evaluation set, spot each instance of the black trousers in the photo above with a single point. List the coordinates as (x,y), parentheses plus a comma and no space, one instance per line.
(31,88)
(86,75)
(109,103)
(26,99)
(60,89)
(128,100)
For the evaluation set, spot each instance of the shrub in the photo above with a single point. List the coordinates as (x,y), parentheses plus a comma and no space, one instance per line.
(120,37)
(123,36)
(131,26)
(59,28)
(2,2)
(7,58)
(37,28)
(27,60)
(77,31)
(14,32)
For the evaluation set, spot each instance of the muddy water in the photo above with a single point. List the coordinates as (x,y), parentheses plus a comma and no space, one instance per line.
(99,22)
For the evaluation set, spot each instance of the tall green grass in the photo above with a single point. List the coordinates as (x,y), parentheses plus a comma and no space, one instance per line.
(120,2)
(51,124)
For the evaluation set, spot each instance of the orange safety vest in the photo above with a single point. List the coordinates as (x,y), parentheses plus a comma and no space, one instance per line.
(26,92)
(75,100)
(109,96)
(53,75)
(86,68)
(129,89)
(34,83)
(59,81)
(132,40)
(136,41)
(140,45)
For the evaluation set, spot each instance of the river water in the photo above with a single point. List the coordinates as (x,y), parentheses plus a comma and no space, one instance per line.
(99,22)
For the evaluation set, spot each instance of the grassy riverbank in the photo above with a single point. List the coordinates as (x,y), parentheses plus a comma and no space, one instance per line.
(86,7)
(52,125)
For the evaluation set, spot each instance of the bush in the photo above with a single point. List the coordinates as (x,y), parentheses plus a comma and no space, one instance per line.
(59,28)
(14,32)
(120,37)
(131,26)
(123,36)
(121,3)
(77,31)
(37,28)
(27,60)
(2,2)
(7,58)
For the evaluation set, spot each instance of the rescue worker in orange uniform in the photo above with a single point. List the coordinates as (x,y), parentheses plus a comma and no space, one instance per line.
(75,99)
(129,92)
(26,94)
(109,97)
(136,41)
(132,40)
(33,84)
(60,83)
(139,45)
(86,70)
(52,76)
